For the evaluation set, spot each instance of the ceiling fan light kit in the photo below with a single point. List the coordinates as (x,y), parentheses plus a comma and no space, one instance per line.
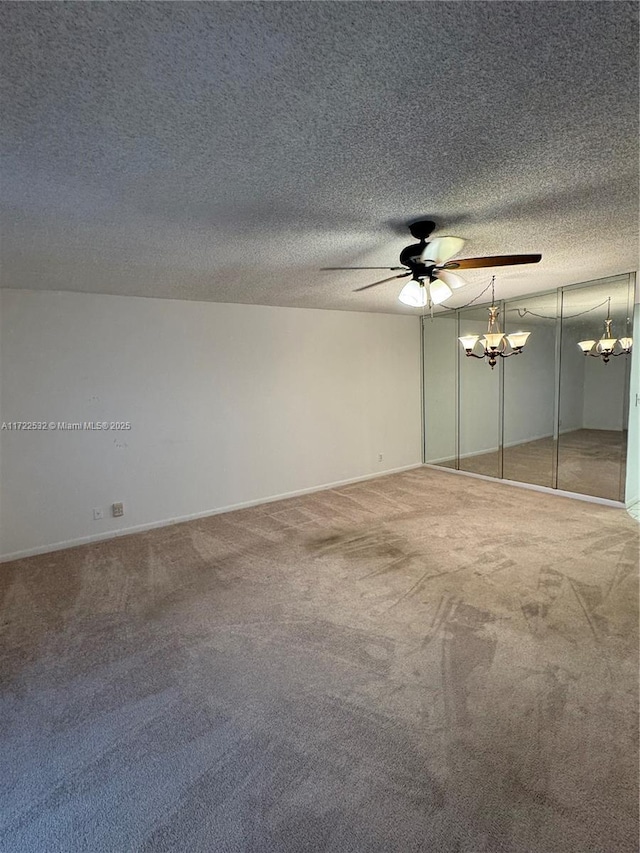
(430,266)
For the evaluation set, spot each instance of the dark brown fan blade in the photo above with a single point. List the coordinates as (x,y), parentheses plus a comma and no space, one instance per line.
(492,261)
(376,283)
(325,269)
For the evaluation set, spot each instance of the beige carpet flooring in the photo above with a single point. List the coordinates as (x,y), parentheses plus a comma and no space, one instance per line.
(421,662)
(590,462)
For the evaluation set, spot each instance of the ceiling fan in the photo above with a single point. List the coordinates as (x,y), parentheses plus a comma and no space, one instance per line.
(430,267)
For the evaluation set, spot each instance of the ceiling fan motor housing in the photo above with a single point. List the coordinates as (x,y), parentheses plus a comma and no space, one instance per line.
(421,229)
(410,257)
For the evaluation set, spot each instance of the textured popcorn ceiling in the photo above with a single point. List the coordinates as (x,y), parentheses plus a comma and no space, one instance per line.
(226,151)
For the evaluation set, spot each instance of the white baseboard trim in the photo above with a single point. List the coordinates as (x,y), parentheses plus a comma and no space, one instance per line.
(531,486)
(166,522)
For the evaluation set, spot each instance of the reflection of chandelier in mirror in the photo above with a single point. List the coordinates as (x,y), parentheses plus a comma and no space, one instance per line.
(495,344)
(605,347)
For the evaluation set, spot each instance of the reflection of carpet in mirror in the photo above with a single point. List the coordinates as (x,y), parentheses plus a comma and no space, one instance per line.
(590,462)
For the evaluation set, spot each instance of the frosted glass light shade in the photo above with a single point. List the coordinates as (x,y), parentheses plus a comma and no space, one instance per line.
(493,340)
(414,294)
(439,291)
(518,339)
(585,346)
(469,341)
(606,344)
(626,343)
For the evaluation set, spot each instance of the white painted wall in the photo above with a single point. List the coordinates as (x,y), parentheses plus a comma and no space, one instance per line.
(229,404)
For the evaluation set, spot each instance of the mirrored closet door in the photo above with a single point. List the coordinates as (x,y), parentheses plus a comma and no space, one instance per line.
(529,410)
(594,389)
(554,414)
(479,427)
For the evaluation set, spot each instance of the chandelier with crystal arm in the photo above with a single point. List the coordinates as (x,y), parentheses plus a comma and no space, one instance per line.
(495,344)
(605,348)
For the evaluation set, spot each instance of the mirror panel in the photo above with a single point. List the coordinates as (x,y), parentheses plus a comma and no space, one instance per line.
(592,438)
(550,416)
(529,392)
(479,432)
(440,348)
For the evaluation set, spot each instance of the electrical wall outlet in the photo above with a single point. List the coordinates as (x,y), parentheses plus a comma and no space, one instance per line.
(379,457)
(98,513)
(117,510)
